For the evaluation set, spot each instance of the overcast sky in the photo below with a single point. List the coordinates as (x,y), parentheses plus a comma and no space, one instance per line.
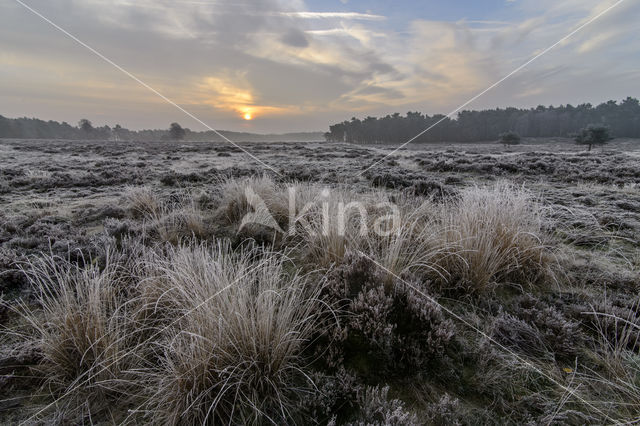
(302,65)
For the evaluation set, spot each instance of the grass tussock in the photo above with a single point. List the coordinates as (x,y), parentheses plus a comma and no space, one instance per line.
(234,352)
(142,201)
(484,236)
(83,330)
(167,221)
(497,234)
(179,334)
(180,220)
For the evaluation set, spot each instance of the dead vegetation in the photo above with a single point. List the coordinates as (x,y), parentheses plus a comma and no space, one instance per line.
(225,296)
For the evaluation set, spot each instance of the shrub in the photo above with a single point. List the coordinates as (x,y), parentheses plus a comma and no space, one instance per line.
(509,138)
(4,186)
(176,132)
(335,397)
(376,408)
(382,327)
(11,279)
(562,336)
(519,335)
(447,411)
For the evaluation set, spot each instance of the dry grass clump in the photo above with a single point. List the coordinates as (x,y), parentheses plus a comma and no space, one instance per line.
(401,237)
(83,331)
(614,380)
(177,221)
(334,222)
(142,201)
(188,334)
(496,232)
(234,351)
(413,245)
(167,221)
(484,236)
(234,204)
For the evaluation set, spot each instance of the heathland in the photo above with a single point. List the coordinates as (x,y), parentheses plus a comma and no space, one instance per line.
(184,282)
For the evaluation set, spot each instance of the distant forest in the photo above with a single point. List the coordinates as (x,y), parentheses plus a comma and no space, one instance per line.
(622,119)
(33,128)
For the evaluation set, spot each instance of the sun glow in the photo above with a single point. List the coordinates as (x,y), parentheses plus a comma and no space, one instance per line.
(247,116)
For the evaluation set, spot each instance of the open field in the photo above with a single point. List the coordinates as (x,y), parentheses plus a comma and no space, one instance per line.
(134,292)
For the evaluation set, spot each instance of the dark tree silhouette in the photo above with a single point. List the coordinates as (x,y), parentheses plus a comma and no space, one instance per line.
(509,138)
(85,125)
(593,135)
(623,118)
(176,132)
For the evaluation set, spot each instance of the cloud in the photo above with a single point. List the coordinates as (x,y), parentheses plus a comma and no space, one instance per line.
(283,59)
(296,38)
(334,15)
(231,93)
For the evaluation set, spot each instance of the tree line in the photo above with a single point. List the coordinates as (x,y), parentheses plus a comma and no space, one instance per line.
(621,118)
(34,128)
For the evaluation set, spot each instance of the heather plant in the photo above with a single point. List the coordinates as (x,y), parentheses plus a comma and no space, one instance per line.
(377,408)
(518,334)
(446,411)
(392,327)
(562,336)
(335,398)
(4,186)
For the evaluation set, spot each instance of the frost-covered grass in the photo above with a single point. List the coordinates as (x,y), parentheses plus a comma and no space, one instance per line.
(154,298)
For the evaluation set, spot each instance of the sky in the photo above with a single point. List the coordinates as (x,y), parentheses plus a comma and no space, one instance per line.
(277,66)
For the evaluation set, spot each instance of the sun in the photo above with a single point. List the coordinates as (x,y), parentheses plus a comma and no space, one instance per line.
(247,116)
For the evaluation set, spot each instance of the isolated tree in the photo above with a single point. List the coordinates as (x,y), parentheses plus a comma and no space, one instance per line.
(593,135)
(176,132)
(117,132)
(509,138)
(85,125)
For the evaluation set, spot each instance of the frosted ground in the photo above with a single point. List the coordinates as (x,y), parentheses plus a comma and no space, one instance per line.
(574,316)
